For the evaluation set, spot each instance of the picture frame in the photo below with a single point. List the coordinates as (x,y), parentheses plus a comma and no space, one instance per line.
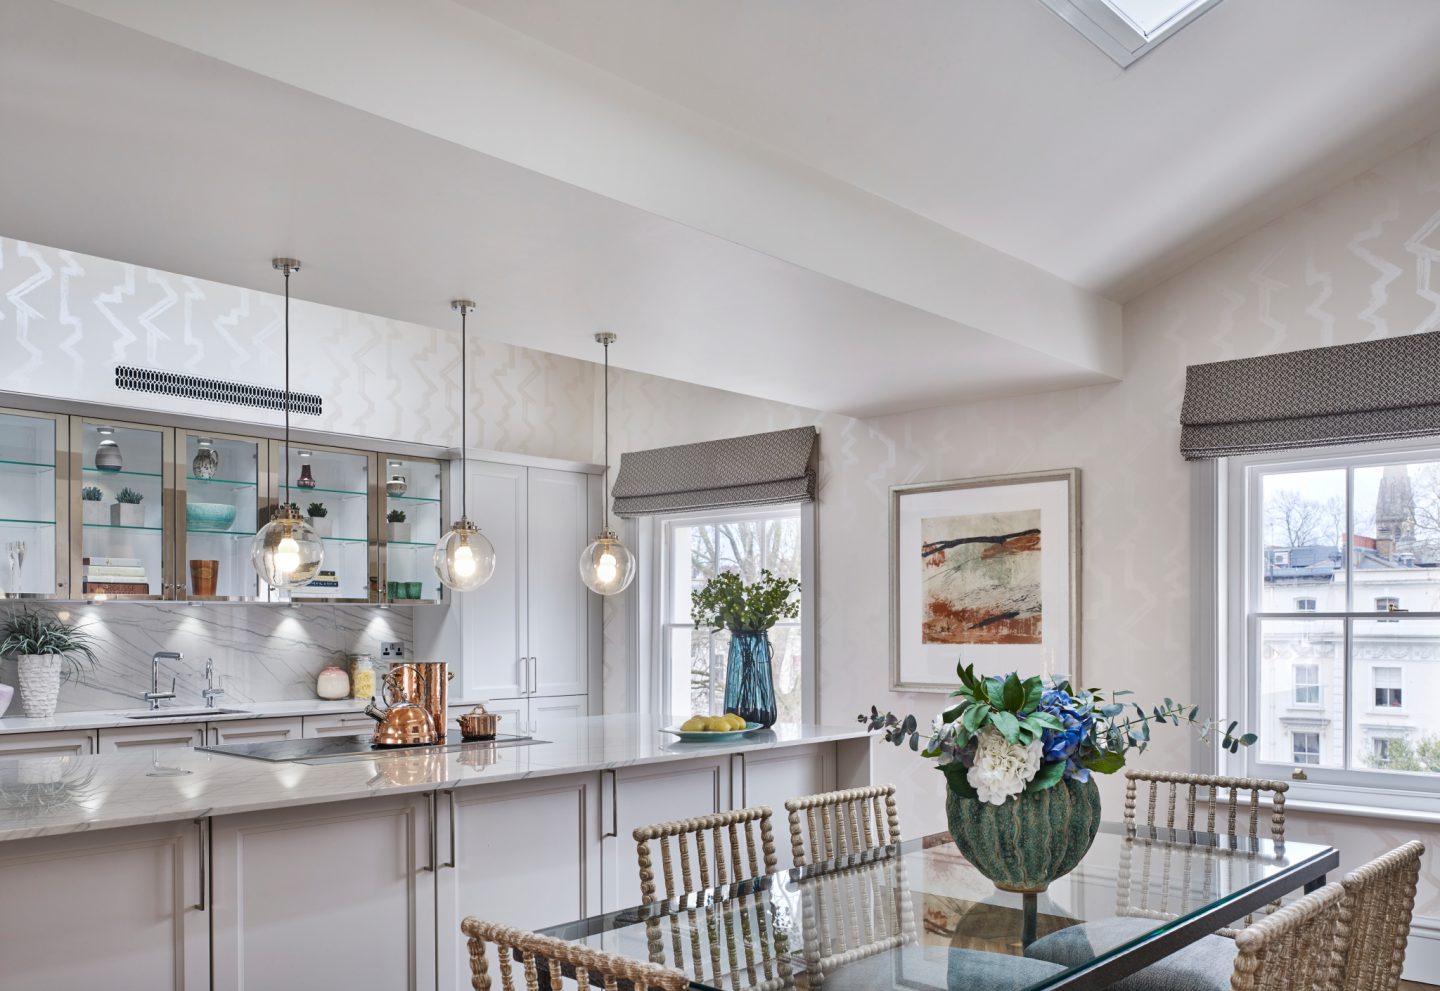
(985,570)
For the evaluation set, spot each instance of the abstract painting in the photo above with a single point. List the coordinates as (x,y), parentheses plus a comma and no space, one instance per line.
(981,578)
(984,571)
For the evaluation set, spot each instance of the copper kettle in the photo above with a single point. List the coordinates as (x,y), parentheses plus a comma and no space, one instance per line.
(403,721)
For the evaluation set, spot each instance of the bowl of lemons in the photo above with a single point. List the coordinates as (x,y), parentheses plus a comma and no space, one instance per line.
(699,729)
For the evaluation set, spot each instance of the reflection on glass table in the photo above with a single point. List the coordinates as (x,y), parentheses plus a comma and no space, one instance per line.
(918,916)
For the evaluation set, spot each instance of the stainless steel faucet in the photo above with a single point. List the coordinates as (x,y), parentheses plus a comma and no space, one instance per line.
(155,696)
(211,693)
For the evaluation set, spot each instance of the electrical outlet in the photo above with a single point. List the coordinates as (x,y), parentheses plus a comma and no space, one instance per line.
(395,648)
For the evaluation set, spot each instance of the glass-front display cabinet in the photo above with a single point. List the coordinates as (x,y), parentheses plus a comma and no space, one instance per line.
(338,490)
(122,480)
(33,502)
(221,492)
(411,525)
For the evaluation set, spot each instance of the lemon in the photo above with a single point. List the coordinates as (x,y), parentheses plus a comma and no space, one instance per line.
(695,724)
(736,723)
(717,724)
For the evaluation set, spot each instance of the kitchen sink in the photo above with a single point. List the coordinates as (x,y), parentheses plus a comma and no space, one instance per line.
(185,713)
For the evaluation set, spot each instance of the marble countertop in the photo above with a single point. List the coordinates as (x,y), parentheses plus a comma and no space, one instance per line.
(43,796)
(111,718)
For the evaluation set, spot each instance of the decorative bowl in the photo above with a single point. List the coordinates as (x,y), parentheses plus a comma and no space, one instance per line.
(709,736)
(209,515)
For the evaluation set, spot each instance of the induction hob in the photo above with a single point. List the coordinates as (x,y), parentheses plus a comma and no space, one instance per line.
(326,749)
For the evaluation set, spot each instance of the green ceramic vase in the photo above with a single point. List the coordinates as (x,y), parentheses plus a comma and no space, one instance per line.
(1031,840)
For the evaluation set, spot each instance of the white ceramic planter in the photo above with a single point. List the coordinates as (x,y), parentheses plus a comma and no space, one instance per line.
(39,684)
(321,525)
(127,514)
(399,531)
(95,512)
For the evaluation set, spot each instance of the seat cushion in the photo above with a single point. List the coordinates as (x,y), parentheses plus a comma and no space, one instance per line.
(1204,965)
(934,967)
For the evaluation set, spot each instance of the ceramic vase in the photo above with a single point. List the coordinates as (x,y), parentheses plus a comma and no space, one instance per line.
(1031,839)
(397,485)
(400,531)
(108,457)
(321,525)
(95,512)
(127,514)
(749,680)
(206,463)
(39,684)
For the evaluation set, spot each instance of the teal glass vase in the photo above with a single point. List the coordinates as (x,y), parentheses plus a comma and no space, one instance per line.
(749,680)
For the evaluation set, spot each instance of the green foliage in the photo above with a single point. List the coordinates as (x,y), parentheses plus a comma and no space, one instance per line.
(727,603)
(396,516)
(317,509)
(31,632)
(1421,755)
(129,497)
(91,493)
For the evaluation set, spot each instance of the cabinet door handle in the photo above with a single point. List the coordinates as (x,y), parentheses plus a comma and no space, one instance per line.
(203,826)
(434,840)
(523,673)
(614,808)
(451,796)
(534,676)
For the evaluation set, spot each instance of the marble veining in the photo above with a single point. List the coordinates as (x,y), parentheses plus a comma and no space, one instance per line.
(56,795)
(262,653)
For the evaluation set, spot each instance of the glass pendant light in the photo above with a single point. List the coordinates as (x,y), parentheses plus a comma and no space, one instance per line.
(286,553)
(464,558)
(606,566)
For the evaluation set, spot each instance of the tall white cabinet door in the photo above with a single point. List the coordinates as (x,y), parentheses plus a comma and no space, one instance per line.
(117,909)
(326,896)
(559,622)
(493,628)
(525,853)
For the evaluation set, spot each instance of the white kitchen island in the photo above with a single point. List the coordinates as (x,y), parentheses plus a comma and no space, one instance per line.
(178,868)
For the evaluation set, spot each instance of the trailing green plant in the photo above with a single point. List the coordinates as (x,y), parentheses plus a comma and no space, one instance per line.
(32,632)
(91,493)
(396,516)
(129,497)
(727,603)
(317,509)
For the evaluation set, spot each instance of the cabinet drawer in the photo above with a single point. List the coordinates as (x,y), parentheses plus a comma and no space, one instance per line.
(168,737)
(57,743)
(337,724)
(254,730)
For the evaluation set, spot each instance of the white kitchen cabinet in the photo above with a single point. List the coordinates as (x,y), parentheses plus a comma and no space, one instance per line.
(337,724)
(533,629)
(120,909)
(327,896)
(773,777)
(53,743)
(532,715)
(148,735)
(254,730)
(525,853)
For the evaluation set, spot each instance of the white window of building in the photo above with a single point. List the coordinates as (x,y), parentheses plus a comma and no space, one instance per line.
(1307,684)
(1381,746)
(692,549)
(1305,748)
(1389,689)
(1359,530)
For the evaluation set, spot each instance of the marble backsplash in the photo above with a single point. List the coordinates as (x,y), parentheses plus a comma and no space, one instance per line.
(262,653)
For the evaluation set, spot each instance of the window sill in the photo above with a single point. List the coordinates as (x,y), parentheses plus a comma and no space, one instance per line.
(1362,811)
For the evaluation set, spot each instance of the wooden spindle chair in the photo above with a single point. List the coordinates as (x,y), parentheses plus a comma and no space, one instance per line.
(1375,921)
(740,845)
(558,960)
(842,823)
(1204,792)
(1293,948)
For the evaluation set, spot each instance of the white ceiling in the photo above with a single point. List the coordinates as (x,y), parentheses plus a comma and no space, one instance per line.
(998,120)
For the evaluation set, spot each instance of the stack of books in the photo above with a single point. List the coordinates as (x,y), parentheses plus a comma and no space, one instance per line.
(115,576)
(323,581)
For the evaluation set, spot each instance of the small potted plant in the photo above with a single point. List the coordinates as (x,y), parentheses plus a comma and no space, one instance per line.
(47,652)
(127,510)
(319,518)
(399,529)
(90,498)
(748,612)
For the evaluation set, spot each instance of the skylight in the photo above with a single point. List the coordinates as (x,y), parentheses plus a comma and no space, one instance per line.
(1128,29)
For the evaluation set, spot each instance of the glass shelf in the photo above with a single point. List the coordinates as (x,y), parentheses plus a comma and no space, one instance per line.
(410,498)
(26,467)
(223,533)
(343,492)
(231,483)
(114,526)
(412,543)
(4,522)
(132,474)
(346,540)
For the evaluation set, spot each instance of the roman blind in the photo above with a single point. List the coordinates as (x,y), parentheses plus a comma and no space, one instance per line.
(739,471)
(1346,394)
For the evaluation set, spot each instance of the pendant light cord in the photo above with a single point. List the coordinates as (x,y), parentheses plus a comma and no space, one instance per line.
(604,498)
(285,509)
(464,415)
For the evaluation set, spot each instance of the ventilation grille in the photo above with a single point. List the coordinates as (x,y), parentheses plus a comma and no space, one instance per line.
(214,390)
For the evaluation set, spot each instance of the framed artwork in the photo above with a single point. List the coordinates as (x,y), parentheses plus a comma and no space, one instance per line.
(986,570)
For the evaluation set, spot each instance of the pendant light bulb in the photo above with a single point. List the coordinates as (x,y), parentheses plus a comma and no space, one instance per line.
(287,553)
(464,558)
(606,566)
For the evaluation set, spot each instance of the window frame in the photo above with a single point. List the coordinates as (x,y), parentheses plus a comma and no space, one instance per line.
(1230,498)
(655,542)
(1295,685)
(1295,751)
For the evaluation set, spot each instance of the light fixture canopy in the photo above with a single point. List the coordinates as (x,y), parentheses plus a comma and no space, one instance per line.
(464,558)
(606,566)
(287,553)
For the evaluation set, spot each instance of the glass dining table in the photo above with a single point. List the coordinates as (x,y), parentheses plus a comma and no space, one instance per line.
(917,916)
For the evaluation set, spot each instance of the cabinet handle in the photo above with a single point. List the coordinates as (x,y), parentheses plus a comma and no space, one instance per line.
(534,676)
(203,825)
(522,677)
(614,808)
(451,796)
(434,841)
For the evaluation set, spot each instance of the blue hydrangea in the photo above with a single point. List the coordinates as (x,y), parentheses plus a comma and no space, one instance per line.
(1064,744)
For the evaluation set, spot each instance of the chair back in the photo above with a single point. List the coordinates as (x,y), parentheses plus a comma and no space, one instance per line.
(740,845)
(1293,948)
(558,960)
(1203,793)
(1375,923)
(840,823)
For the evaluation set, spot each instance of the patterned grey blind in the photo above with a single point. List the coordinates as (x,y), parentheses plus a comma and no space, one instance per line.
(1347,394)
(737,471)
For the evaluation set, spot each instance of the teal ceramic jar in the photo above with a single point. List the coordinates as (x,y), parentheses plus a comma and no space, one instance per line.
(1032,839)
